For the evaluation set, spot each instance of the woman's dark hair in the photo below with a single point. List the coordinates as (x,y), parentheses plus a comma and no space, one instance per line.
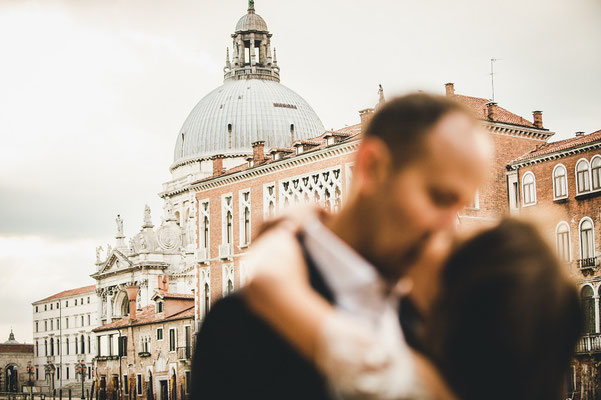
(507,319)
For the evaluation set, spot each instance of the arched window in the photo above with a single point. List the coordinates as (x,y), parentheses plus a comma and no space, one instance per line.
(51,347)
(596,172)
(560,182)
(582,177)
(588,308)
(207,299)
(230,286)
(67,346)
(529,189)
(45,347)
(562,233)
(82,345)
(229,228)
(587,242)
(229,136)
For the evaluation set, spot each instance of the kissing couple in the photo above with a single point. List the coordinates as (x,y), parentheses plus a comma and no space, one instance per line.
(385,299)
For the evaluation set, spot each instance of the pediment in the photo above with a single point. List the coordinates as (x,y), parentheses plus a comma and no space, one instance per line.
(116,261)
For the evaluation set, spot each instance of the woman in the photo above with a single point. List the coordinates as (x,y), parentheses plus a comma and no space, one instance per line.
(503,323)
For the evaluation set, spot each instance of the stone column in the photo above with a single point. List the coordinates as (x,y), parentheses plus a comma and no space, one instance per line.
(252,49)
(109,306)
(98,307)
(597,322)
(241,51)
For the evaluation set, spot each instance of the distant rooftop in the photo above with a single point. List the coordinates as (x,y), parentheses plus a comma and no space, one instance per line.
(561,146)
(68,293)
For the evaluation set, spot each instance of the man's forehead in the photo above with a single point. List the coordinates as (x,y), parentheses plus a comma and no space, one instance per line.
(457,141)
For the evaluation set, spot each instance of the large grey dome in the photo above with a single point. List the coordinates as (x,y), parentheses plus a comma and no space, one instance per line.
(251,22)
(233,116)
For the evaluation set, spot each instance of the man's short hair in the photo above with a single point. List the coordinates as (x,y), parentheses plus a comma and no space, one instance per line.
(404,122)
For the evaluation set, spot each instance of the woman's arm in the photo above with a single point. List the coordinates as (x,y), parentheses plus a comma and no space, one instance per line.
(346,351)
(279,290)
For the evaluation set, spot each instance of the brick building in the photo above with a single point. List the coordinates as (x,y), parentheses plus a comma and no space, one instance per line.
(565,176)
(148,353)
(14,360)
(233,202)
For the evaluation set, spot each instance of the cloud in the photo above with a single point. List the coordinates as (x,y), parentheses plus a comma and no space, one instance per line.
(34,268)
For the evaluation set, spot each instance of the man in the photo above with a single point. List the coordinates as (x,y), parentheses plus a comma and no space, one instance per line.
(421,160)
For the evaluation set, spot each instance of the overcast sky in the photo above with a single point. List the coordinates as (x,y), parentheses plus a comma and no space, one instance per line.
(93,93)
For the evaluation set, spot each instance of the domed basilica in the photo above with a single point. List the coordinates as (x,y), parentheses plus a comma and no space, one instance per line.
(251,106)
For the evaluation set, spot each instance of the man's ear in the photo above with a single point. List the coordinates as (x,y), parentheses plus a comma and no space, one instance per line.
(372,167)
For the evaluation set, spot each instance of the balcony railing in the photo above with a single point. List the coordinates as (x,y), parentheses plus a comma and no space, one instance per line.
(587,262)
(184,353)
(590,343)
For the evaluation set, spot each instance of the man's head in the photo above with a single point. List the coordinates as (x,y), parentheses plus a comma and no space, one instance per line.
(421,160)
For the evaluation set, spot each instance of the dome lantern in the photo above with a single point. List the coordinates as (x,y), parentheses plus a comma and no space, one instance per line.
(251,105)
(251,44)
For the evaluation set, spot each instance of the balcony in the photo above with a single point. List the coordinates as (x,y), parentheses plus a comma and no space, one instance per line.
(587,265)
(226,250)
(184,353)
(202,256)
(587,262)
(588,344)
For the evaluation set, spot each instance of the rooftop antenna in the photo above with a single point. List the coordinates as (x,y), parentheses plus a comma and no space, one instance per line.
(492,75)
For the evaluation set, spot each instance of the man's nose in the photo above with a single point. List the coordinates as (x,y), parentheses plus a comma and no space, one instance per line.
(447,218)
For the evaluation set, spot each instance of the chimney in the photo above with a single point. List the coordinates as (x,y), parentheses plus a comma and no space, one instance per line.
(217,164)
(132,294)
(579,133)
(450,89)
(258,152)
(365,117)
(491,110)
(538,118)
(163,283)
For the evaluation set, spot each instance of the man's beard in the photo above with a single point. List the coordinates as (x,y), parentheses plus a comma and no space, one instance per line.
(395,265)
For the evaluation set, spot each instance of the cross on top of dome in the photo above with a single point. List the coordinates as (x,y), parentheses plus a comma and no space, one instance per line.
(251,50)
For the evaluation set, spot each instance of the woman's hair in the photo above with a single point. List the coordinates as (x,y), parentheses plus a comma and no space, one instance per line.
(507,319)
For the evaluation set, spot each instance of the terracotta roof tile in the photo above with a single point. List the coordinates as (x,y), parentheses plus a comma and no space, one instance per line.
(70,292)
(561,145)
(147,315)
(478,106)
(349,130)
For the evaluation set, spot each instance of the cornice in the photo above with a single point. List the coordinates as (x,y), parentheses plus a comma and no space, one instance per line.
(553,156)
(274,166)
(194,159)
(501,128)
(147,265)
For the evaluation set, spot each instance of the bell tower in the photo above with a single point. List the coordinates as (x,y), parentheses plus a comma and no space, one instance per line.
(251,50)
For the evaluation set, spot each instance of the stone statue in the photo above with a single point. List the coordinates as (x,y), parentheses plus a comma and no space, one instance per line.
(119,222)
(109,249)
(98,254)
(251,4)
(143,243)
(381,99)
(147,216)
(169,210)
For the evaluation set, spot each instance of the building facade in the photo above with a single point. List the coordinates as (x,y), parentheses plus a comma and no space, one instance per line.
(564,178)
(62,337)
(15,358)
(234,202)
(148,354)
